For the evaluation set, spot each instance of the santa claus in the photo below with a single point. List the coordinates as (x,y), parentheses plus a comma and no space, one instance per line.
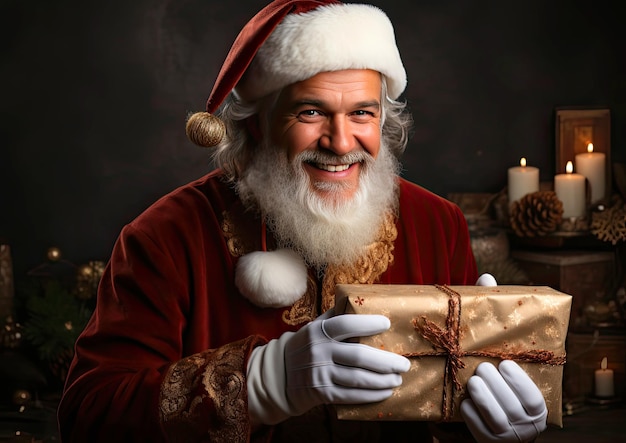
(214,319)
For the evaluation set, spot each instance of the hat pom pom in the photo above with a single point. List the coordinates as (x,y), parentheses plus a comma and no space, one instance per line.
(271,279)
(205,129)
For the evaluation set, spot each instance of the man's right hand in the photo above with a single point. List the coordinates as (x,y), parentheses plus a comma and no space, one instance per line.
(298,371)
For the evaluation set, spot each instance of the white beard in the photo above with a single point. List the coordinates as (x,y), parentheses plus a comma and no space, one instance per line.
(322,229)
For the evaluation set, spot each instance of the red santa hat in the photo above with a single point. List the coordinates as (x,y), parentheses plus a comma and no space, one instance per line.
(293,40)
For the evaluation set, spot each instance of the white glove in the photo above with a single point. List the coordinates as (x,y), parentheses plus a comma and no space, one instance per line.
(486,280)
(292,374)
(505,405)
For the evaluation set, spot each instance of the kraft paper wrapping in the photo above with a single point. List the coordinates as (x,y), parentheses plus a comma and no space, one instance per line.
(446,331)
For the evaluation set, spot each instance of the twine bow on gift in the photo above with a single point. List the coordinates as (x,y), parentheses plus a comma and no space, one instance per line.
(447,343)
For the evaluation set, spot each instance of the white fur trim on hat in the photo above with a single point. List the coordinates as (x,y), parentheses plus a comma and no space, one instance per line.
(271,279)
(329,38)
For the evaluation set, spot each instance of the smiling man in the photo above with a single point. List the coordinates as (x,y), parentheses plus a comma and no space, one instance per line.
(214,319)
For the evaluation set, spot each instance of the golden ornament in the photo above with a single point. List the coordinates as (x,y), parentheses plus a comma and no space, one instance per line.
(21,397)
(88,277)
(85,271)
(10,334)
(205,129)
(54,254)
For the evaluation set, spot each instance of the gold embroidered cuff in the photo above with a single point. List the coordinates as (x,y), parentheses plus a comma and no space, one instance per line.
(204,397)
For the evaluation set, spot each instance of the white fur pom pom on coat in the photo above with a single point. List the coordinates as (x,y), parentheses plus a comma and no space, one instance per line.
(271,279)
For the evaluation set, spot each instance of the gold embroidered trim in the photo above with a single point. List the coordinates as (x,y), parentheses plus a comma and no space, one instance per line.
(303,310)
(195,388)
(377,258)
(234,243)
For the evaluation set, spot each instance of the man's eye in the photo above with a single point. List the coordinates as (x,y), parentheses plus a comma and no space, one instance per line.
(309,113)
(363,112)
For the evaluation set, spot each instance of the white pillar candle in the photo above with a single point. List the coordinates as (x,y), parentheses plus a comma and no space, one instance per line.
(570,189)
(604,381)
(522,180)
(592,166)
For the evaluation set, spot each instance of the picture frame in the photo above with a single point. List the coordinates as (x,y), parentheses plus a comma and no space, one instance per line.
(576,127)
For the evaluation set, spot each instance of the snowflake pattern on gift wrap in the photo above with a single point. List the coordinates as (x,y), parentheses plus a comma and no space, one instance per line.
(426,409)
(412,337)
(551,304)
(432,374)
(516,317)
(490,318)
(471,314)
(399,349)
(551,331)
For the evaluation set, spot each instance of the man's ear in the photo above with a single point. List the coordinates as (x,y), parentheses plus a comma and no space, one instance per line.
(253,125)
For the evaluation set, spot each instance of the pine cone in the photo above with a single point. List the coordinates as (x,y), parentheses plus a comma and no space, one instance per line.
(610,224)
(536,214)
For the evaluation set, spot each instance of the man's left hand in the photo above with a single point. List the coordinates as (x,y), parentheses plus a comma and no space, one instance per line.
(505,405)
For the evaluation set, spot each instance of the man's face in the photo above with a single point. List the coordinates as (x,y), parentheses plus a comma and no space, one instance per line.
(323,177)
(329,121)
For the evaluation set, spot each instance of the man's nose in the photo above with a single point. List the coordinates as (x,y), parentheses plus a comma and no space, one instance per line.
(338,136)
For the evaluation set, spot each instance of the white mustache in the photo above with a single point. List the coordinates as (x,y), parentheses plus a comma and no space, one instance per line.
(326,158)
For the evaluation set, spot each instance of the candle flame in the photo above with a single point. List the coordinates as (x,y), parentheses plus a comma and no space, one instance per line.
(590,147)
(604,363)
(569,168)
(522,162)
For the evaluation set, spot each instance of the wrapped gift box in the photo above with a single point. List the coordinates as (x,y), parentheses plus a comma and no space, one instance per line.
(446,331)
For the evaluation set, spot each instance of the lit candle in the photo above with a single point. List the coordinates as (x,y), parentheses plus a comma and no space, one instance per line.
(570,189)
(604,380)
(522,180)
(592,166)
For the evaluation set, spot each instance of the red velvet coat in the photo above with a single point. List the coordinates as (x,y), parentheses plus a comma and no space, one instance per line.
(164,355)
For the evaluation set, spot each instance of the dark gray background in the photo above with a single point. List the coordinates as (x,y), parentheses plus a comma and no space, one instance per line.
(95,94)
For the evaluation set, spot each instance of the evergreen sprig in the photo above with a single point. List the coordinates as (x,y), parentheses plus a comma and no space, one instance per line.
(55,319)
